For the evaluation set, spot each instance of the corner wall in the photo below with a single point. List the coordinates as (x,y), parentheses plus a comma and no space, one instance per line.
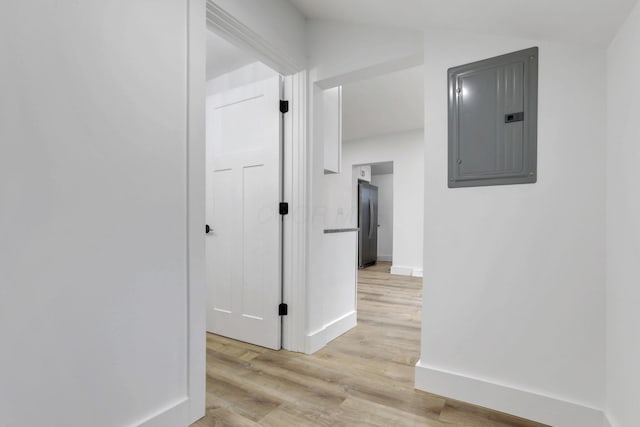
(623,225)
(513,313)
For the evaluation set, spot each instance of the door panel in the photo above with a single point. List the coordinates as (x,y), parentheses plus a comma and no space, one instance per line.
(221,261)
(257,213)
(243,193)
(487,144)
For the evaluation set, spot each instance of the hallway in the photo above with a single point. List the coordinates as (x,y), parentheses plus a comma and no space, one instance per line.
(364,377)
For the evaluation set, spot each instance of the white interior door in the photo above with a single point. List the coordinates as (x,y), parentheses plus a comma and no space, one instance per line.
(243,194)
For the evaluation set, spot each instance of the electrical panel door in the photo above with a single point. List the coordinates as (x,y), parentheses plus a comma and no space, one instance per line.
(493,121)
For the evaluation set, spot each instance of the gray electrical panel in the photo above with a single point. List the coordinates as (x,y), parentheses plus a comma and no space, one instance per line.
(493,120)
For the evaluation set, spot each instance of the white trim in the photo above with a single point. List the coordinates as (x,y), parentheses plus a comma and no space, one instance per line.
(196,283)
(332,330)
(227,26)
(385,258)
(295,224)
(416,272)
(510,400)
(173,415)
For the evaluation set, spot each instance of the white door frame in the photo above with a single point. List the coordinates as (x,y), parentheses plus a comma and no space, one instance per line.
(196,277)
(295,172)
(294,168)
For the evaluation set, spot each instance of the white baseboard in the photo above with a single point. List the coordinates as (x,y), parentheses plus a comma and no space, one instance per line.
(521,403)
(332,330)
(174,415)
(385,258)
(401,271)
(406,271)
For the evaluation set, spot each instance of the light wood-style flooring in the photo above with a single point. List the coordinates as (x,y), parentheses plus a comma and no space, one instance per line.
(363,378)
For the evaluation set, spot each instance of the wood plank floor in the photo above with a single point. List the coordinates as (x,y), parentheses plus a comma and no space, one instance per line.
(363,378)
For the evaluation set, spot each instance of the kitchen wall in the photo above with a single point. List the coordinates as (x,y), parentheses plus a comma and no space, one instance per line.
(513,310)
(623,225)
(406,150)
(384,182)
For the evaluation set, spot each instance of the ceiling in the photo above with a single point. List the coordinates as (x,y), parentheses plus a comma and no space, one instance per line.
(582,21)
(382,105)
(223,56)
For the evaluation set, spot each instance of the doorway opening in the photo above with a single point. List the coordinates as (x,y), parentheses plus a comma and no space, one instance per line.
(294,159)
(375,213)
(380,185)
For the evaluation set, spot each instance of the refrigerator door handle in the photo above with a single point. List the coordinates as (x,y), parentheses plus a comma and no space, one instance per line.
(370,218)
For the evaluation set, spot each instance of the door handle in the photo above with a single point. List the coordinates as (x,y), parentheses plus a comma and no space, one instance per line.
(370,219)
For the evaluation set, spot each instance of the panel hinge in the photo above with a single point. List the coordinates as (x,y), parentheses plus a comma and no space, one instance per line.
(284,106)
(283,309)
(284,208)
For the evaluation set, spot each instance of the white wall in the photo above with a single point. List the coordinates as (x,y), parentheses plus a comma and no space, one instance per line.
(338,49)
(245,75)
(513,313)
(385,215)
(339,263)
(276,21)
(223,56)
(93,187)
(623,226)
(406,150)
(389,103)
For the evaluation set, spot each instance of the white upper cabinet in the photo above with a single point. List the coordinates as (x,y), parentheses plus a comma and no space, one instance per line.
(332,129)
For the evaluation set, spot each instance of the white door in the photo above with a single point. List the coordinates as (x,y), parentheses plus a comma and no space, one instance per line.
(243,195)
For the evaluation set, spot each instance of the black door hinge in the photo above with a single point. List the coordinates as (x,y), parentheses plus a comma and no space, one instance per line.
(283,309)
(284,107)
(284,208)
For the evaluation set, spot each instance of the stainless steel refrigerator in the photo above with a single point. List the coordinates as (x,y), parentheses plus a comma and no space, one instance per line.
(368,224)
